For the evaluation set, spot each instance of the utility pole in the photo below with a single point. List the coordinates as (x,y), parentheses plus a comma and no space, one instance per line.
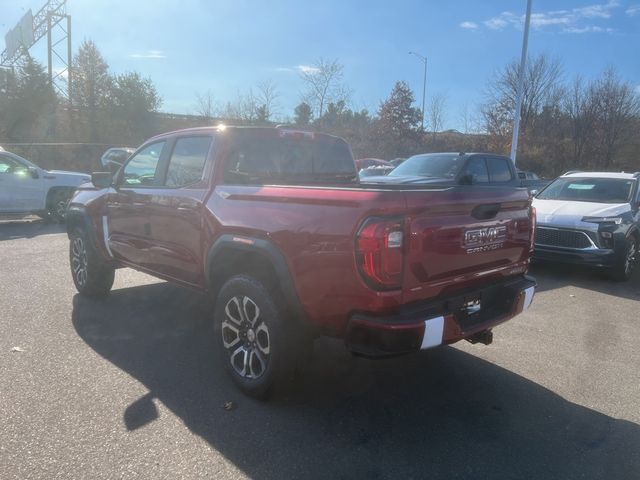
(424,82)
(523,64)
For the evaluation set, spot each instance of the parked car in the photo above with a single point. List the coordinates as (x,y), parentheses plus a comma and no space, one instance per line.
(274,224)
(452,169)
(363,163)
(27,189)
(591,218)
(376,170)
(397,161)
(115,157)
(532,181)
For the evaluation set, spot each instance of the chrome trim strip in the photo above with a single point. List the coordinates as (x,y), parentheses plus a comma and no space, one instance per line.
(105,234)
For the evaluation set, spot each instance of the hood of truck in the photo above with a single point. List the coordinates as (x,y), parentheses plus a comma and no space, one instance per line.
(63,177)
(408,180)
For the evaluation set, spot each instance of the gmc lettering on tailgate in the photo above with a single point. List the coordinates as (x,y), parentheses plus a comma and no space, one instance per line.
(485,239)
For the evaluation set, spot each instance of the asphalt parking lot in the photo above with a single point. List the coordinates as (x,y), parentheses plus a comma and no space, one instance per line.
(127,388)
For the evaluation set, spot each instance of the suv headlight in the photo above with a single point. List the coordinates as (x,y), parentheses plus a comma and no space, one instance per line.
(613,220)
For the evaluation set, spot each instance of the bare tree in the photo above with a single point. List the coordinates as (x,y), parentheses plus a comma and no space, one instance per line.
(324,85)
(267,99)
(465,117)
(541,88)
(205,105)
(616,105)
(579,108)
(243,108)
(435,113)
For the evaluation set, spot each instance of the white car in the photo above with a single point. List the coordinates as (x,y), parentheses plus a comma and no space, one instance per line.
(26,188)
(590,218)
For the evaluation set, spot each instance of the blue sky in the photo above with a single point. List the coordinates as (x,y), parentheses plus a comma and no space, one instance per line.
(228,46)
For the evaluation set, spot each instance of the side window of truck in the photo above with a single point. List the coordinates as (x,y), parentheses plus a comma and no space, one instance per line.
(478,168)
(499,170)
(187,161)
(8,165)
(141,170)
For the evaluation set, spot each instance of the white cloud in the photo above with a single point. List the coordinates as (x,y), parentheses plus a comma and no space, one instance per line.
(498,23)
(588,29)
(149,54)
(567,21)
(539,20)
(598,10)
(469,25)
(307,69)
(297,69)
(633,10)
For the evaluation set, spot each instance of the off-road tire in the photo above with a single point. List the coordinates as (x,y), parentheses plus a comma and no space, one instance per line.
(259,344)
(57,202)
(92,276)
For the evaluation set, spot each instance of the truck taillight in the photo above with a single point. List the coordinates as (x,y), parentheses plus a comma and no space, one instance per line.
(533,229)
(379,252)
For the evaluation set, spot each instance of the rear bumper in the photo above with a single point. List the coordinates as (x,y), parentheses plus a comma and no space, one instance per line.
(438,322)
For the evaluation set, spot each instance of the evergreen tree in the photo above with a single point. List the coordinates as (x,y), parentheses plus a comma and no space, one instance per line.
(302,114)
(91,84)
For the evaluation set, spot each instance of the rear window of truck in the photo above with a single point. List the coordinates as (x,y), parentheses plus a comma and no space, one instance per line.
(289,161)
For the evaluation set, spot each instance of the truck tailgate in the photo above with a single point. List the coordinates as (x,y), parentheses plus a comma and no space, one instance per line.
(461,235)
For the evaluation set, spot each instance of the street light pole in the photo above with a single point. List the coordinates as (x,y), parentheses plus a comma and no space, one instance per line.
(523,64)
(424,82)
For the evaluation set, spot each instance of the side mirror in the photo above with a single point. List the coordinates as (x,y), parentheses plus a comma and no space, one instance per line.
(113,163)
(468,179)
(34,173)
(102,179)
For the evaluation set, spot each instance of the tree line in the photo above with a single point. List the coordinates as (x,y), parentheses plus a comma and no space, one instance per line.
(105,106)
(565,124)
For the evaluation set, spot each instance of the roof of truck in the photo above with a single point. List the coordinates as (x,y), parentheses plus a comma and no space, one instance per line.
(222,128)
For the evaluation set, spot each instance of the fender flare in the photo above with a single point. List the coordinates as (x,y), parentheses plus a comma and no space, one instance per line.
(242,243)
(77,216)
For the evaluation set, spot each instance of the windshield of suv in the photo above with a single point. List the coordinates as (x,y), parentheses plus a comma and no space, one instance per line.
(430,165)
(597,190)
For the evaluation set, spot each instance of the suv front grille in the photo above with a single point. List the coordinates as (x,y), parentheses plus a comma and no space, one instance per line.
(562,238)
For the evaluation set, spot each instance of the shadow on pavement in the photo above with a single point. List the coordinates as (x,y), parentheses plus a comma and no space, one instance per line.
(11,229)
(446,414)
(551,276)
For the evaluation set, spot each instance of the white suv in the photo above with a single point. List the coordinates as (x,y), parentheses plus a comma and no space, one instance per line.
(26,188)
(590,218)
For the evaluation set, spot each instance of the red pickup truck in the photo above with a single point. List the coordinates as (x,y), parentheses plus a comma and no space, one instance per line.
(274,224)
